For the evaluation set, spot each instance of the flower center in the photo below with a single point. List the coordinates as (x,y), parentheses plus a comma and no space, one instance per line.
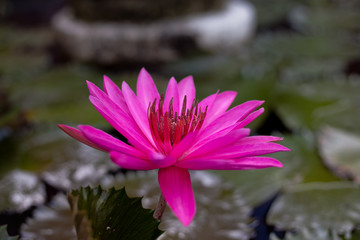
(170,127)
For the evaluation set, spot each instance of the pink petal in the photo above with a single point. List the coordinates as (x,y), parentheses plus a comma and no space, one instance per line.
(246,163)
(259,139)
(172,93)
(78,135)
(202,140)
(122,124)
(93,89)
(137,111)
(245,150)
(184,145)
(219,143)
(246,108)
(228,120)
(251,117)
(108,142)
(115,94)
(221,103)
(161,160)
(208,101)
(186,88)
(118,110)
(146,90)
(175,185)
(129,162)
(104,104)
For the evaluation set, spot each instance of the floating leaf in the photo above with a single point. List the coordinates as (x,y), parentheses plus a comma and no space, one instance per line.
(309,234)
(298,110)
(314,104)
(279,10)
(355,235)
(335,18)
(50,223)
(331,206)
(222,213)
(111,214)
(341,152)
(292,48)
(20,190)
(4,235)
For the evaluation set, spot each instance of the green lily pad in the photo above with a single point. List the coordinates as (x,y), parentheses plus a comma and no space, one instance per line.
(341,152)
(313,104)
(279,10)
(111,214)
(4,235)
(309,234)
(52,222)
(221,211)
(31,151)
(298,110)
(331,206)
(57,96)
(21,190)
(291,48)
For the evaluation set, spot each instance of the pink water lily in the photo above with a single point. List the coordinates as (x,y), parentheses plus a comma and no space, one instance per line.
(176,133)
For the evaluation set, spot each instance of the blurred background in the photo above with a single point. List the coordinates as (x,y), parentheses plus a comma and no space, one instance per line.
(301,56)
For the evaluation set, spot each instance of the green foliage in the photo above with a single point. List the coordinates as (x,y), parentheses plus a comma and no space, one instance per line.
(331,206)
(111,214)
(4,235)
(341,152)
(313,104)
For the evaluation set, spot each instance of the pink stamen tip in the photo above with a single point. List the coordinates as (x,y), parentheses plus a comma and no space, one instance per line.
(170,127)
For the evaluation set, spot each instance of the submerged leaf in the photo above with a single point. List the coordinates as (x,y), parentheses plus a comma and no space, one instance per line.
(330,206)
(111,214)
(20,190)
(50,223)
(341,152)
(4,235)
(79,165)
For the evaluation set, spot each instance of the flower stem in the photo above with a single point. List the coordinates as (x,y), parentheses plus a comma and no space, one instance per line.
(160,208)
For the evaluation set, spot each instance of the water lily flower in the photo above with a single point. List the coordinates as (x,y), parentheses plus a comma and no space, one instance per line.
(175,133)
